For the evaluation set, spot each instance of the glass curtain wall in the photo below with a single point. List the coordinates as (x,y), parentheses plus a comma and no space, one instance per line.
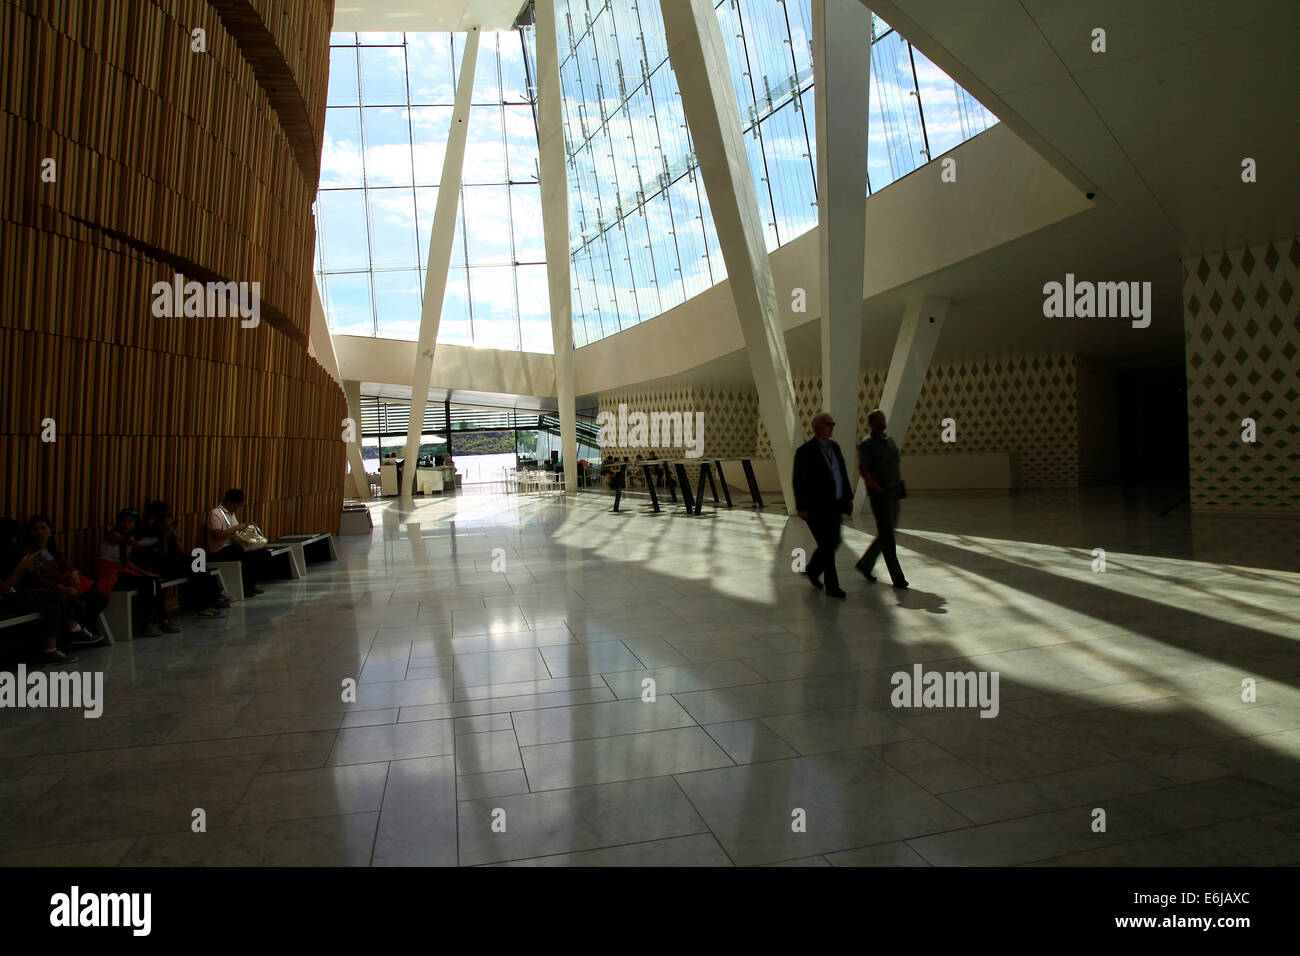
(641,233)
(386,125)
(642,237)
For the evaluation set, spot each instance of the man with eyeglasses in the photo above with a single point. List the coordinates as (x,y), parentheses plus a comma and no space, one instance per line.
(822,494)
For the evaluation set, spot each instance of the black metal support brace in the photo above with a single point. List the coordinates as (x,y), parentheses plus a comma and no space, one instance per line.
(650,483)
(722,480)
(699,491)
(686,487)
(618,490)
(753,483)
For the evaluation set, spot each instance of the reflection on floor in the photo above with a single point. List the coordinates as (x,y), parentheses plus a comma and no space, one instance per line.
(502,646)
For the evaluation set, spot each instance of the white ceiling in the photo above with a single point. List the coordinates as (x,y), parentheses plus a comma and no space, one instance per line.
(1157,127)
(402,393)
(393,16)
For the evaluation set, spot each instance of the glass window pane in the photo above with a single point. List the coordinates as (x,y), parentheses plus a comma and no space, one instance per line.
(453,327)
(347,298)
(487,87)
(426,199)
(514,80)
(387,134)
(521,143)
(534,309)
(342,229)
(383,76)
(343,77)
(492,290)
(487,220)
(526,220)
(340,159)
(397,301)
(430,126)
(432,69)
(485,150)
(392,224)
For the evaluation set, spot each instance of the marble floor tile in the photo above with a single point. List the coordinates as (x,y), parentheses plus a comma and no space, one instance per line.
(573,819)
(847,799)
(522,692)
(651,753)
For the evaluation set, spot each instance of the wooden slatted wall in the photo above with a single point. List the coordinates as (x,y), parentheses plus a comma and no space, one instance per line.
(166,160)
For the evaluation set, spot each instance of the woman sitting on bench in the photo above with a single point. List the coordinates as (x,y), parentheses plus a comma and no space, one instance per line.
(57,618)
(118,572)
(52,571)
(159,549)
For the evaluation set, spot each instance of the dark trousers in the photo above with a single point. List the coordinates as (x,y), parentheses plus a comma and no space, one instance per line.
(825,528)
(51,605)
(149,595)
(252,563)
(885,510)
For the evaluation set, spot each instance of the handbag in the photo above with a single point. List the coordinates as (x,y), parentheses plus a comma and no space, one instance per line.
(251,538)
(900,491)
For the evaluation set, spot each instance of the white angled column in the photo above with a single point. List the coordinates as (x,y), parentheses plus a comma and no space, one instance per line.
(440,242)
(699,60)
(917,337)
(841,52)
(360,480)
(555,231)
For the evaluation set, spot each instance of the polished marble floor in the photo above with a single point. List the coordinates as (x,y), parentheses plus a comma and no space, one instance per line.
(501,647)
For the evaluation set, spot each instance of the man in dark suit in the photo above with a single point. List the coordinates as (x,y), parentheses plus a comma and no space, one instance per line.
(822,493)
(878,463)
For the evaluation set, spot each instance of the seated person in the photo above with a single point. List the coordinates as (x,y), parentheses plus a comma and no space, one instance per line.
(157,548)
(223,522)
(118,572)
(53,572)
(58,622)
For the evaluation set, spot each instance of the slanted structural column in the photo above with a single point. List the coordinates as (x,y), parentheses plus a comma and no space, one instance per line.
(842,84)
(440,242)
(555,231)
(699,60)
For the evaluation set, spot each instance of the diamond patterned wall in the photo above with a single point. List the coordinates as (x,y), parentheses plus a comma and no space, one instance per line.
(1025,405)
(730,419)
(1242,323)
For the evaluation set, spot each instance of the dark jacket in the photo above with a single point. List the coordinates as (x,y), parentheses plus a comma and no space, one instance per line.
(814,485)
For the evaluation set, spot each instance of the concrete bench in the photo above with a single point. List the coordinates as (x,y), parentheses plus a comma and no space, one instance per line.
(356,520)
(16,619)
(117,619)
(231,576)
(297,544)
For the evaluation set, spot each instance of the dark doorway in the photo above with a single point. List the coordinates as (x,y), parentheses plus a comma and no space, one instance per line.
(1153,426)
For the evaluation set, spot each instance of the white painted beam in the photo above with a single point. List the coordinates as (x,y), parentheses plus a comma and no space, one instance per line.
(842,82)
(699,59)
(555,231)
(440,242)
(359,479)
(917,336)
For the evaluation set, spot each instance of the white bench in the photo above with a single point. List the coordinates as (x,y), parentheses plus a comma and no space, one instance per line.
(116,619)
(356,520)
(297,545)
(17,619)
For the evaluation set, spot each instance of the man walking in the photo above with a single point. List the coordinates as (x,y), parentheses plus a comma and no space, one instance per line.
(878,463)
(821,495)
